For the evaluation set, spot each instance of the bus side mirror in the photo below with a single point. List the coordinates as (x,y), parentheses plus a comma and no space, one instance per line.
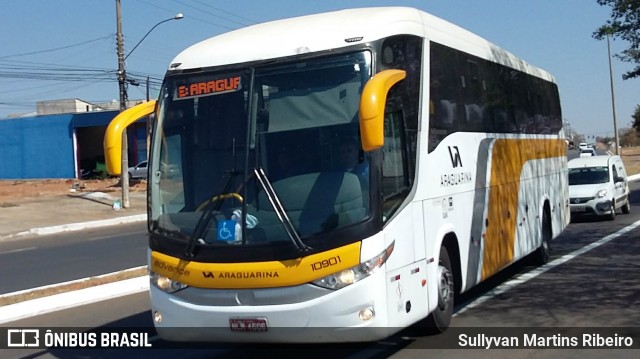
(372,103)
(112,144)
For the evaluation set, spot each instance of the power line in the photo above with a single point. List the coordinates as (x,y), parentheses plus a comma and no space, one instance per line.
(189,17)
(58,48)
(226,12)
(212,14)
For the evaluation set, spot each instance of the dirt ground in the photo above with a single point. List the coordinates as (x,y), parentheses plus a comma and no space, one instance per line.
(12,190)
(631,158)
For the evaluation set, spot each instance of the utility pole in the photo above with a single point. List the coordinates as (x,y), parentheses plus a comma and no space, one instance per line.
(613,98)
(148,127)
(124,173)
(122,82)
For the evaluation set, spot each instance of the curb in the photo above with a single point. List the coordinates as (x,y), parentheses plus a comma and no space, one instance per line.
(44,305)
(79,226)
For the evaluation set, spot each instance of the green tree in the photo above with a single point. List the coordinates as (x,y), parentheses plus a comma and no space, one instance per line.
(636,119)
(624,24)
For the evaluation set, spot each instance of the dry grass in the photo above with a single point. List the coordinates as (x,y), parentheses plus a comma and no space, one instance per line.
(90,282)
(631,158)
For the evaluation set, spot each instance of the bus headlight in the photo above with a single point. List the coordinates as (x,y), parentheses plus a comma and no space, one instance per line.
(601,193)
(166,284)
(349,276)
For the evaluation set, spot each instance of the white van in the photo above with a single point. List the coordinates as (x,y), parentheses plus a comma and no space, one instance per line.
(598,185)
(587,152)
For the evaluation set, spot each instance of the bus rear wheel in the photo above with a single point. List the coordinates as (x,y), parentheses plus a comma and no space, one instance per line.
(541,255)
(439,320)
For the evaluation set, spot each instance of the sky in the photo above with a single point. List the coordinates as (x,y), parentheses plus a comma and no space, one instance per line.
(66,49)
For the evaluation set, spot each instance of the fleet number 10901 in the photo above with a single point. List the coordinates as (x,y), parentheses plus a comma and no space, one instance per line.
(325,263)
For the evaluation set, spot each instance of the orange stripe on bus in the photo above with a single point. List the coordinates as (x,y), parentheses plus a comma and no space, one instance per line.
(507,160)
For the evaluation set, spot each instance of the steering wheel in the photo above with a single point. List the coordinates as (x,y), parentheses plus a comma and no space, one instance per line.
(220,197)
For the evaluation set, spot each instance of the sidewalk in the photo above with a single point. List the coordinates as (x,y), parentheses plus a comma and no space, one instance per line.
(68,212)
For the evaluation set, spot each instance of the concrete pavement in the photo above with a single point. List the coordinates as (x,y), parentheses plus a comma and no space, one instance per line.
(73,211)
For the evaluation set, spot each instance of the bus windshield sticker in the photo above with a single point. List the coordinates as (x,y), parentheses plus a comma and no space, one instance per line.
(206,88)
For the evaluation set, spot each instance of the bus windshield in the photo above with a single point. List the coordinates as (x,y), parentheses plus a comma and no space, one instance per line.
(261,155)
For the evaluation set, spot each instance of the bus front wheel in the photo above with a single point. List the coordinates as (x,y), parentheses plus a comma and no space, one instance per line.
(440,318)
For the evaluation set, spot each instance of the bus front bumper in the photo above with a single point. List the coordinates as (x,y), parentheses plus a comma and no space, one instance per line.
(340,316)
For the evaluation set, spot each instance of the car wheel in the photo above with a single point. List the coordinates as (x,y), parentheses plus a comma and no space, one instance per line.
(612,215)
(626,208)
(439,320)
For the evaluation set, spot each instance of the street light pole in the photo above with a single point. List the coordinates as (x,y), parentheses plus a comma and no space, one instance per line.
(122,83)
(613,98)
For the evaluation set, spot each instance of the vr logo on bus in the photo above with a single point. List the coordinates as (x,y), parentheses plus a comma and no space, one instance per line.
(456,161)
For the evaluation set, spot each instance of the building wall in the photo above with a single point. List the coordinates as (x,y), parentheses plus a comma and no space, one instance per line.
(36,147)
(42,146)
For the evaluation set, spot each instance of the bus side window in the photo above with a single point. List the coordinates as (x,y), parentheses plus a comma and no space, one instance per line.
(395,174)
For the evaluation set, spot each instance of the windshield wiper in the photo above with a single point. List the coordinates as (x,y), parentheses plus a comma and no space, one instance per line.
(203,222)
(155,228)
(300,246)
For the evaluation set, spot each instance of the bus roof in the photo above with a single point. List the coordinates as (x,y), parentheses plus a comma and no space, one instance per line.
(333,30)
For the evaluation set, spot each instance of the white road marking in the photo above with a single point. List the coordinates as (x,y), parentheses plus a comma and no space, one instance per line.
(18,250)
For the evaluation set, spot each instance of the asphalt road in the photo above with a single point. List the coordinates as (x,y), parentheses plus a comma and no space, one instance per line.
(52,259)
(594,283)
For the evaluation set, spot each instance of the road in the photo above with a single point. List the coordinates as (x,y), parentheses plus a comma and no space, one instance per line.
(592,282)
(71,255)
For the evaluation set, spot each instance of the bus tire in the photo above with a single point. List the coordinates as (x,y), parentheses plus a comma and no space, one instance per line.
(541,255)
(438,321)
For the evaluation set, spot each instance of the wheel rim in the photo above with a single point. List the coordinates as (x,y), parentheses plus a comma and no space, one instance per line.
(613,209)
(545,250)
(444,287)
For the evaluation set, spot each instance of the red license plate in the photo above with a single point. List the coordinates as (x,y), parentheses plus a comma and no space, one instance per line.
(248,324)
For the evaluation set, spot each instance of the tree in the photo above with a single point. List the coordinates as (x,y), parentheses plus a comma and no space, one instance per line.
(636,119)
(624,24)
(629,138)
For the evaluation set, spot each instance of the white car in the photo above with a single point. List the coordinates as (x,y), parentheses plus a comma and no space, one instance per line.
(598,185)
(587,152)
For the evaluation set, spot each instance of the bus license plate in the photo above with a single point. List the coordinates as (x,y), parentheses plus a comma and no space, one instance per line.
(248,324)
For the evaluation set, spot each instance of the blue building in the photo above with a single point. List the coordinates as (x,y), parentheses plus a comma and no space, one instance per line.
(60,145)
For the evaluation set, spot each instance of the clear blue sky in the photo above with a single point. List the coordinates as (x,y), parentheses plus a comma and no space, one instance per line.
(44,42)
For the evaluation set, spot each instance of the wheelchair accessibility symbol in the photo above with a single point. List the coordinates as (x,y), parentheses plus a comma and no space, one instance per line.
(226,230)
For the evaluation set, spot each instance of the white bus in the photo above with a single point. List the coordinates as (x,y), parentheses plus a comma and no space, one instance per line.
(341,176)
